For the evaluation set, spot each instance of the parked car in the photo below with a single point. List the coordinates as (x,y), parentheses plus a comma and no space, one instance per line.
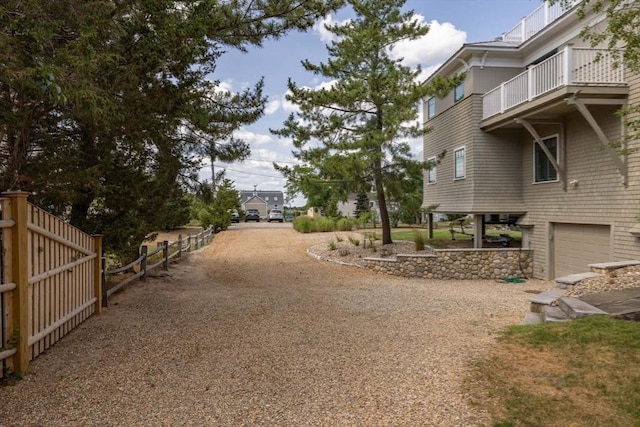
(252,215)
(288,218)
(235,217)
(275,215)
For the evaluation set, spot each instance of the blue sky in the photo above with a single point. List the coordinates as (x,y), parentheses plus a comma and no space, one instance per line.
(452,23)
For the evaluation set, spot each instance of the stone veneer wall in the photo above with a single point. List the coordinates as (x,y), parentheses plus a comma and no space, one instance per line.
(463,264)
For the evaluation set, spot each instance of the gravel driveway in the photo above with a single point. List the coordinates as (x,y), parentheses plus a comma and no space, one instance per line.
(253,331)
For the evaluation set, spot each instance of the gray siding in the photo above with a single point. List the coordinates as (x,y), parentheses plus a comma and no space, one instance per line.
(450,130)
(599,196)
(493,163)
(488,78)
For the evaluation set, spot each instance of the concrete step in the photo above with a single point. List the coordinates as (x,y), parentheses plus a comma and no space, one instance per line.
(607,267)
(575,308)
(546,298)
(572,279)
(532,318)
(555,314)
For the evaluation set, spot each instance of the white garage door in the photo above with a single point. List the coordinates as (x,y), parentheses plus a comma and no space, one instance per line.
(575,246)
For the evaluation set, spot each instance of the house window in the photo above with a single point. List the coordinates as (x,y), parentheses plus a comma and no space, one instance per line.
(543,170)
(431,107)
(431,173)
(458,163)
(275,198)
(458,92)
(266,198)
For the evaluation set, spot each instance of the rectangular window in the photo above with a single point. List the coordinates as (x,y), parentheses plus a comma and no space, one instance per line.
(431,173)
(458,92)
(543,170)
(266,198)
(458,163)
(431,107)
(275,198)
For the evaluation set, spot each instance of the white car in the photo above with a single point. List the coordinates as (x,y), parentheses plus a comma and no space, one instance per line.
(275,215)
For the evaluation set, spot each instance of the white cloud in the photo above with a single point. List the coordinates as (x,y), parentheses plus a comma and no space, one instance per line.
(272,107)
(224,86)
(253,139)
(442,40)
(325,35)
(426,72)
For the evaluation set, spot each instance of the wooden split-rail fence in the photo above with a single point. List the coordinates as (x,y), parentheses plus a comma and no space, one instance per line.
(54,277)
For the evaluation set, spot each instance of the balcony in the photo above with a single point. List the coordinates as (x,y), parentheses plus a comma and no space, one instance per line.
(569,67)
(533,23)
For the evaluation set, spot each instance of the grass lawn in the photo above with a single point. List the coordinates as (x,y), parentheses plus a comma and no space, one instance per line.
(441,235)
(579,373)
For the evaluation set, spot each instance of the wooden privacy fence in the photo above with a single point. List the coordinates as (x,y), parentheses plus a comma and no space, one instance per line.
(147,261)
(53,278)
(50,280)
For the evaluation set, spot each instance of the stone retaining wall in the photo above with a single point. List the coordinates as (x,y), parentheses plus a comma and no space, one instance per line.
(466,264)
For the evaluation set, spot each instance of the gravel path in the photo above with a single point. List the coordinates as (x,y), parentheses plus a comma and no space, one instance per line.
(253,331)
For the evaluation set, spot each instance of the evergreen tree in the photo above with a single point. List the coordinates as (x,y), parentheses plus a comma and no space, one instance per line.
(99,102)
(354,130)
(362,204)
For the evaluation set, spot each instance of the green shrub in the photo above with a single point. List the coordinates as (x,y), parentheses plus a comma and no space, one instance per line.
(303,224)
(323,224)
(339,239)
(418,240)
(345,224)
(332,245)
(354,242)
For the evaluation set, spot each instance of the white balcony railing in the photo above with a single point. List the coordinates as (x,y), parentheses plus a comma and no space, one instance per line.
(583,66)
(531,24)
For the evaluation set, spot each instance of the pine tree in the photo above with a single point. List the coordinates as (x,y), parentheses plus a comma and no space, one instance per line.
(362,204)
(354,130)
(95,97)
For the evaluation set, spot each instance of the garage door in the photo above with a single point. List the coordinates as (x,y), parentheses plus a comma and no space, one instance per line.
(575,246)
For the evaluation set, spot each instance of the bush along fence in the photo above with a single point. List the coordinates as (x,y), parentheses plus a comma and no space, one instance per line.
(460,264)
(147,261)
(53,278)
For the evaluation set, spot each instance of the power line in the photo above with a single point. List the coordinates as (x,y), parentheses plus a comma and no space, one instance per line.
(245,172)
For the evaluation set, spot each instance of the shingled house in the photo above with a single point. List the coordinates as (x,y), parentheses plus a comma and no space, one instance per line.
(527,137)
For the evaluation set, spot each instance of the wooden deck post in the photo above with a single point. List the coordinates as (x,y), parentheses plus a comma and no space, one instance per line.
(20,270)
(97,273)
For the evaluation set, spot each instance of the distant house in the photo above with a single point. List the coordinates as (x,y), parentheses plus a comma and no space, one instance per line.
(264,201)
(348,207)
(525,136)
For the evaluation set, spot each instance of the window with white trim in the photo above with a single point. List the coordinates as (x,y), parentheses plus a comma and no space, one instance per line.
(458,163)
(458,92)
(431,107)
(543,170)
(431,173)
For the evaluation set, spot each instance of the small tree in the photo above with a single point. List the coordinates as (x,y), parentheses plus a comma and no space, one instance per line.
(353,130)
(216,209)
(362,204)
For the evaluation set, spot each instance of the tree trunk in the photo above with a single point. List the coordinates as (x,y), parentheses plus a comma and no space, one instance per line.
(382,204)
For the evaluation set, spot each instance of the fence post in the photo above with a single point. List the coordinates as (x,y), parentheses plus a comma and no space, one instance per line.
(179,246)
(97,273)
(188,242)
(143,263)
(20,270)
(165,255)
(105,298)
